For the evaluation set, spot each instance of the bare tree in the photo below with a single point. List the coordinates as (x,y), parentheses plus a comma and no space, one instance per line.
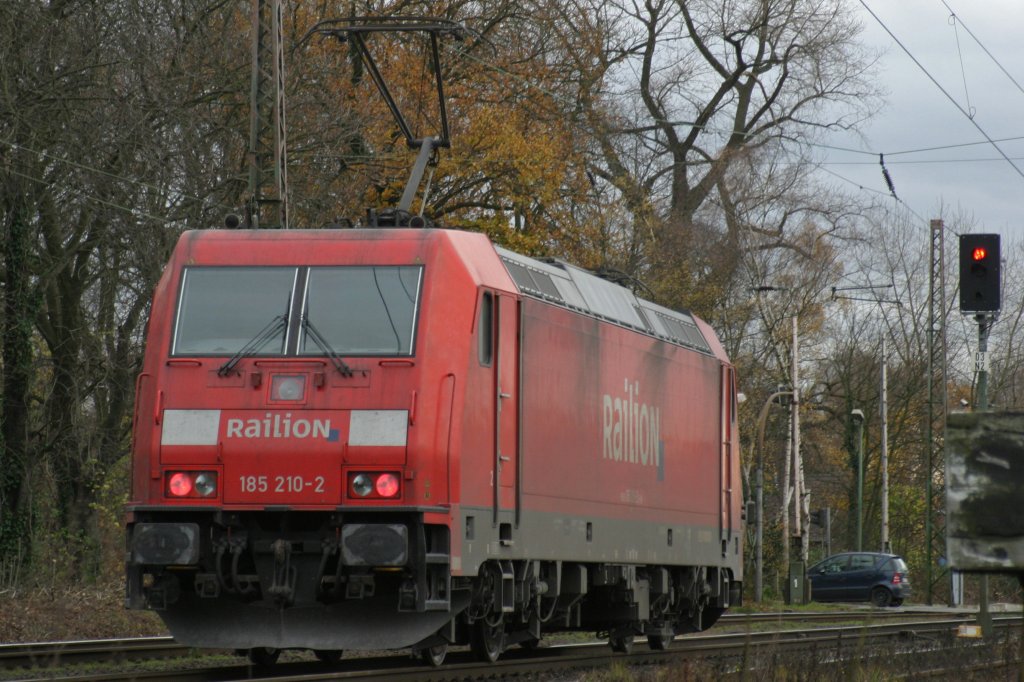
(698,113)
(102,109)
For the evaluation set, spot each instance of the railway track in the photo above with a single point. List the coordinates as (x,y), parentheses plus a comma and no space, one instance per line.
(78,660)
(57,654)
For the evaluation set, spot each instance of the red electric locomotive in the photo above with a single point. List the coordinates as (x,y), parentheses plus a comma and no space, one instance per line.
(387,438)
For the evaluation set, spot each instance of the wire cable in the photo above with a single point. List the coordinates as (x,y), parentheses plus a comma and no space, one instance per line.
(943,90)
(989,159)
(132,211)
(982,46)
(963,71)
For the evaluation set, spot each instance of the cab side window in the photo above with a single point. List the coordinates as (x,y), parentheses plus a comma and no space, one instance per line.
(485,324)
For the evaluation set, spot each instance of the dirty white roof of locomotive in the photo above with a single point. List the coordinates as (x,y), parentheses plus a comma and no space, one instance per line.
(566,285)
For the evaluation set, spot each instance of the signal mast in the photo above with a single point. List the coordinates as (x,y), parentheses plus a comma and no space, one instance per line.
(268,159)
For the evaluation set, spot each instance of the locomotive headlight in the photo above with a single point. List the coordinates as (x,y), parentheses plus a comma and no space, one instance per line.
(190,484)
(206,484)
(362,485)
(288,387)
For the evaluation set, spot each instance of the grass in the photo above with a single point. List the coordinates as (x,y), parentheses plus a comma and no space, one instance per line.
(52,614)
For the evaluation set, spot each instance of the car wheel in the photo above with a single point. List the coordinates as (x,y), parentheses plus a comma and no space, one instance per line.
(881,597)
(896,602)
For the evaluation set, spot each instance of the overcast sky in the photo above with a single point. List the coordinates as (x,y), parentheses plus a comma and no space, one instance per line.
(975,179)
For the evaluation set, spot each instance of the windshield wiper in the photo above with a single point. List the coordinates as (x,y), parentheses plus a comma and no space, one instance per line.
(276,325)
(318,338)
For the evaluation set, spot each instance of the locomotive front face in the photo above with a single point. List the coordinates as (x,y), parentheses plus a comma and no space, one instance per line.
(276,416)
(264,410)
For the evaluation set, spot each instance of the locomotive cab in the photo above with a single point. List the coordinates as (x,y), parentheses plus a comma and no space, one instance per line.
(288,455)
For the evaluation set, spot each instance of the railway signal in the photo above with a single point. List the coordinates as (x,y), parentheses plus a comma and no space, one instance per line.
(980,286)
(980,293)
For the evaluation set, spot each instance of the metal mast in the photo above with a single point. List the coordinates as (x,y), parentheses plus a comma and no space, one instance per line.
(268,174)
(935,495)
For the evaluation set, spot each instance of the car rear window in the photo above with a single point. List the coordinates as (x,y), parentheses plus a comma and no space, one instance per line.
(895,564)
(860,562)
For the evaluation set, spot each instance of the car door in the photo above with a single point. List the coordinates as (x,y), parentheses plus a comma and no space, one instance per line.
(826,578)
(859,577)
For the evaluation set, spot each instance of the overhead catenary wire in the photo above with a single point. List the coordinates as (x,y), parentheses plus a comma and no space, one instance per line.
(15,146)
(918,162)
(963,71)
(549,93)
(982,46)
(886,174)
(85,195)
(943,90)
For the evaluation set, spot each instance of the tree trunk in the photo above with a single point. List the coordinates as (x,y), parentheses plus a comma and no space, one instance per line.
(17,379)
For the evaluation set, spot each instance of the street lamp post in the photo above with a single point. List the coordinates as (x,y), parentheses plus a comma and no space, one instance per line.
(759,495)
(857,417)
(884,451)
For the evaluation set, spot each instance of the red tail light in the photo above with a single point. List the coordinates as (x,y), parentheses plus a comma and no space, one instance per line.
(896,578)
(179,484)
(387,485)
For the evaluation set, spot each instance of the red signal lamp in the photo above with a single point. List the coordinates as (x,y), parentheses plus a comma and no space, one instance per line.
(980,280)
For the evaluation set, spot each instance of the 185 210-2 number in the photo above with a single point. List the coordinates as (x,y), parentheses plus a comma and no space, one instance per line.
(281,484)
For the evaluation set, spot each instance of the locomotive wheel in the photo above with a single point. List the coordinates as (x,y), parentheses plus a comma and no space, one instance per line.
(487,641)
(329,656)
(659,642)
(264,655)
(434,656)
(531,644)
(621,643)
(710,616)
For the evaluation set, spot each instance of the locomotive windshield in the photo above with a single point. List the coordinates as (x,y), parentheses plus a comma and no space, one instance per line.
(362,310)
(357,310)
(223,309)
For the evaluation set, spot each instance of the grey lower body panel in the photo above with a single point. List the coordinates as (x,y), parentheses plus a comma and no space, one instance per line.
(364,624)
(597,539)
